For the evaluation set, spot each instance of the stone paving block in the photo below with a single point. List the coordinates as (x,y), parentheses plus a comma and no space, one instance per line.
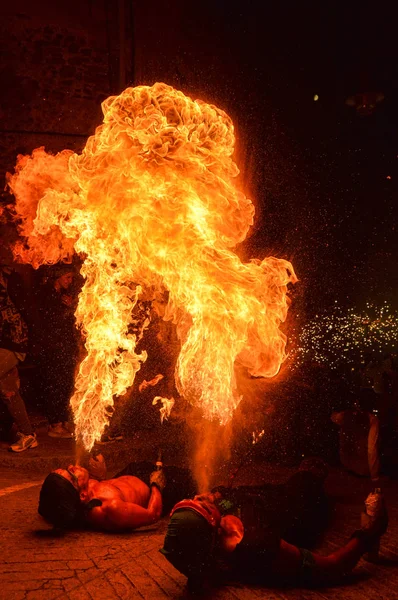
(112,563)
(38,576)
(96,552)
(123,586)
(143,582)
(19,585)
(243,593)
(15,596)
(43,595)
(168,568)
(85,576)
(80,564)
(144,546)
(27,556)
(101,589)
(53,584)
(80,594)
(164,581)
(21,567)
(71,583)
(224,593)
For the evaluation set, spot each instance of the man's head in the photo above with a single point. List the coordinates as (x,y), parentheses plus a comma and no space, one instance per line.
(195,532)
(61,495)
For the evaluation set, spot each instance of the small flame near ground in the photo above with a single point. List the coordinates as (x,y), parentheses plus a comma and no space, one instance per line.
(256,436)
(166,406)
(153,205)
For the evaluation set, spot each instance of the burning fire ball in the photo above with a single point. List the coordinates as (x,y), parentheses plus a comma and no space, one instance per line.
(153,205)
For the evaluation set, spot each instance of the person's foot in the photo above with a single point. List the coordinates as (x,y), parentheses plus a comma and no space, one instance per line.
(58,430)
(24,442)
(69,427)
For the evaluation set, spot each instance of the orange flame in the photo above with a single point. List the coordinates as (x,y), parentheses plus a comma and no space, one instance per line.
(165,409)
(256,436)
(152,203)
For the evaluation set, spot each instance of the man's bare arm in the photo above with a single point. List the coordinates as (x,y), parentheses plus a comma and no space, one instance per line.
(117,515)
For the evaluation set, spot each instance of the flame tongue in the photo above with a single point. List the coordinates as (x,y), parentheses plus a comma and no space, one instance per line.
(152,203)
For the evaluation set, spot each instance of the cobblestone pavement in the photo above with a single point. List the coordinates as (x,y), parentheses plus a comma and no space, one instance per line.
(90,565)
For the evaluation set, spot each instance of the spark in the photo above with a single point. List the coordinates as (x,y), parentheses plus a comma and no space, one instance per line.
(342,337)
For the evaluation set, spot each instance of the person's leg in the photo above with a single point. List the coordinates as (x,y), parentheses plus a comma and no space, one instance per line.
(114,431)
(58,384)
(8,360)
(49,390)
(9,389)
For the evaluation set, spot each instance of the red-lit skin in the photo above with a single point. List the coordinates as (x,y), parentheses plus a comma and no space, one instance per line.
(288,560)
(127,502)
(63,283)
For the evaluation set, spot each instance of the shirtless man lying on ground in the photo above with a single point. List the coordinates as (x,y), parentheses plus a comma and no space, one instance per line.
(135,497)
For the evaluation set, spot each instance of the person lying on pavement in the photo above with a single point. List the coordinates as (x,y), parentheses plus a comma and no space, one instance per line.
(229,534)
(135,497)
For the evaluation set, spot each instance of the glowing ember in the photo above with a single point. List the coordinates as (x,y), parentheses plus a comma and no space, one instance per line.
(145,384)
(256,436)
(165,409)
(152,205)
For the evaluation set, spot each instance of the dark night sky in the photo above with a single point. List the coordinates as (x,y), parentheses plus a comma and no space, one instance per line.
(317,171)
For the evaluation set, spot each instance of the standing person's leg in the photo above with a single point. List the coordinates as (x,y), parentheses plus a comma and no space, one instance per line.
(9,389)
(114,431)
(58,383)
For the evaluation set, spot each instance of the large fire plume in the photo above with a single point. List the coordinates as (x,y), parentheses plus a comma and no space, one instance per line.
(152,204)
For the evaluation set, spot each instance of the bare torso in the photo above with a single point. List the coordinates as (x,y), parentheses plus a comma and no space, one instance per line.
(126,503)
(126,488)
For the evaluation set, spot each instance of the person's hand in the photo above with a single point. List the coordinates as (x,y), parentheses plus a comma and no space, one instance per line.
(158,478)
(97,467)
(67,300)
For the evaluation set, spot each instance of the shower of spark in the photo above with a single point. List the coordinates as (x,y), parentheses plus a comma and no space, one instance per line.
(344,337)
(152,205)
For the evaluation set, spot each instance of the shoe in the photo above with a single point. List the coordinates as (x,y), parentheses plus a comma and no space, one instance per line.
(107,439)
(69,427)
(24,442)
(58,430)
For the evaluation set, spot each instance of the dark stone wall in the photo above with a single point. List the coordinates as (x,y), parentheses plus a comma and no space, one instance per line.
(58,61)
